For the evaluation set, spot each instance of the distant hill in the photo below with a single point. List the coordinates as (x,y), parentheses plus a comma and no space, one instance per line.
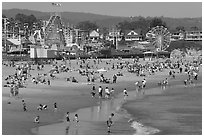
(103,20)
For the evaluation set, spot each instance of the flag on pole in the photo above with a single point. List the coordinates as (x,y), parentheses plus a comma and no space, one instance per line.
(56,4)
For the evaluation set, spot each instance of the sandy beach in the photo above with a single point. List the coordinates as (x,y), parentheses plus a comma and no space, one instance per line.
(93,113)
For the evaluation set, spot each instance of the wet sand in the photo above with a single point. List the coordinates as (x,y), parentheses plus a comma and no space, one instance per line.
(93,119)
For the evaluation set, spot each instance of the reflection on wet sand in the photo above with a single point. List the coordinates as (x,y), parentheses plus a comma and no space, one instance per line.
(90,115)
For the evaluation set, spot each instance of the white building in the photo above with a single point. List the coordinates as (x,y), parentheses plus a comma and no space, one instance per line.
(193,35)
(94,36)
(132,35)
(178,35)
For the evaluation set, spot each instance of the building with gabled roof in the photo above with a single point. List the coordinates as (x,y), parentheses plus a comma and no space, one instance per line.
(94,36)
(133,35)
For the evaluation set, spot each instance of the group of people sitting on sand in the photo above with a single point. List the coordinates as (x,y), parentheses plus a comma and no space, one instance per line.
(18,80)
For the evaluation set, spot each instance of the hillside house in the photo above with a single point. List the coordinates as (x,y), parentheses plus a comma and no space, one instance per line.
(94,36)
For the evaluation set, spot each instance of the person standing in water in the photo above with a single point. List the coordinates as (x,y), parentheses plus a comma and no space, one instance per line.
(24,106)
(93,93)
(76,119)
(109,122)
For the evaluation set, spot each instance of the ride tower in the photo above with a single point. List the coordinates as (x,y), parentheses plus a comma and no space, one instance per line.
(53,32)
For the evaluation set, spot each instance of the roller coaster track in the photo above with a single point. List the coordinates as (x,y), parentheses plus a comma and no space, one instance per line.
(54,31)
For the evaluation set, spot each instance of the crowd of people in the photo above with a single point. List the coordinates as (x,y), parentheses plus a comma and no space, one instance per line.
(88,68)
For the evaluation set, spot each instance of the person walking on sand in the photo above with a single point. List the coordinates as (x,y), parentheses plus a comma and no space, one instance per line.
(24,106)
(93,93)
(67,117)
(107,93)
(76,119)
(109,122)
(144,83)
(55,106)
(125,92)
(48,82)
(37,119)
(137,86)
(112,91)
(100,90)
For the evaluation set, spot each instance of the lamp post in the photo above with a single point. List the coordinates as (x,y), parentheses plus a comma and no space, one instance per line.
(5,33)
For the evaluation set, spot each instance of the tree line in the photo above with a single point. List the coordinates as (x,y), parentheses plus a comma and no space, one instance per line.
(145,24)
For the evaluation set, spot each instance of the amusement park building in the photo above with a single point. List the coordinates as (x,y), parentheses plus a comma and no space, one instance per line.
(132,35)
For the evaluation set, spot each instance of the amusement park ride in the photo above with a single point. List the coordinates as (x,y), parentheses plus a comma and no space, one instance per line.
(50,39)
(51,34)
(159,37)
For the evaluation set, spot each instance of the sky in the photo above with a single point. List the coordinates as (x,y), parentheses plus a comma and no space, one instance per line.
(121,8)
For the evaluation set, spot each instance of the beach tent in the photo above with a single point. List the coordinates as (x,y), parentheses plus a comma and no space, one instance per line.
(102,70)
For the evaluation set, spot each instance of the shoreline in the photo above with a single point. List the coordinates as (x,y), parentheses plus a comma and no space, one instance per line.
(93,114)
(147,114)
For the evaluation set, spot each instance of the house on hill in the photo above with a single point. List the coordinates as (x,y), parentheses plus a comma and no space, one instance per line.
(94,36)
(133,35)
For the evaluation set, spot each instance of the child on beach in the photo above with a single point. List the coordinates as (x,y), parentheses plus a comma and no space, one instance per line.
(185,82)
(93,93)
(125,92)
(100,89)
(144,83)
(107,93)
(67,117)
(24,106)
(112,91)
(37,119)
(48,82)
(109,122)
(137,86)
(76,119)
(40,107)
(55,106)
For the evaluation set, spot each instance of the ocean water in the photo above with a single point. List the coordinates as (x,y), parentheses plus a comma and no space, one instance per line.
(178,111)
